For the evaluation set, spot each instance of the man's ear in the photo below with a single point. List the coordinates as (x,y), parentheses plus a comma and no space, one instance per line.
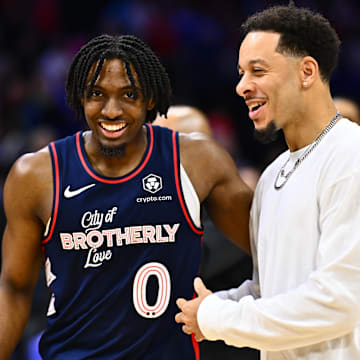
(151,104)
(309,71)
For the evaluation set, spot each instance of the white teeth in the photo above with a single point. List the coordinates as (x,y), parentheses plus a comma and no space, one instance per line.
(112,127)
(254,105)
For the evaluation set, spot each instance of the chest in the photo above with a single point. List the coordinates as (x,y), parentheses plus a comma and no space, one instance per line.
(288,231)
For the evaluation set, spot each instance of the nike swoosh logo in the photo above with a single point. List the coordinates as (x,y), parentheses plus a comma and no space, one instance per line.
(71,193)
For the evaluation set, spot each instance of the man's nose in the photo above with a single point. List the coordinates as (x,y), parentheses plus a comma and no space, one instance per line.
(112,108)
(244,86)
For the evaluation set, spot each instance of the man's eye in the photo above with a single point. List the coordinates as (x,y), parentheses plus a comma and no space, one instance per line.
(96,93)
(129,94)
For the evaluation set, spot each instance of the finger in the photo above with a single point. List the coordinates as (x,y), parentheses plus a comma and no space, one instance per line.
(180,303)
(179,317)
(199,286)
(186,329)
(199,338)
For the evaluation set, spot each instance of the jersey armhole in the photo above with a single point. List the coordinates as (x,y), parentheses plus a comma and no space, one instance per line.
(49,229)
(190,191)
(190,198)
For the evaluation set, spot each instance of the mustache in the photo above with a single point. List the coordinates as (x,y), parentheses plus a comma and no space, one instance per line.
(106,118)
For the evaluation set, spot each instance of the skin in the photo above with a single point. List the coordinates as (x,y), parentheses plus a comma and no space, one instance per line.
(348,108)
(28,208)
(185,119)
(278,79)
(300,109)
(112,102)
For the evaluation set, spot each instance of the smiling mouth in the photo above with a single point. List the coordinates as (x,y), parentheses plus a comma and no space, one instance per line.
(256,106)
(112,127)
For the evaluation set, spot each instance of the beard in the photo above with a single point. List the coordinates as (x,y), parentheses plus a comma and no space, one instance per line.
(112,151)
(267,135)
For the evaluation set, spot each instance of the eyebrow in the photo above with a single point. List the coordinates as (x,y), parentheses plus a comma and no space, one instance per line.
(252,62)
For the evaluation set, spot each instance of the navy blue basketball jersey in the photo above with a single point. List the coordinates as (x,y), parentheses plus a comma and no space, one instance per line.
(118,252)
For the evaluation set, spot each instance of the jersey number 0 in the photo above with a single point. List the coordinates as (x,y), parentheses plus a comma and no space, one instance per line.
(139,290)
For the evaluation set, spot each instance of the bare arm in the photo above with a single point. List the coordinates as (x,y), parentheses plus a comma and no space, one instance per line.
(21,245)
(219,186)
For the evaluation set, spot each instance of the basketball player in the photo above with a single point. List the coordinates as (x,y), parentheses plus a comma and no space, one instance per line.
(304,299)
(114,214)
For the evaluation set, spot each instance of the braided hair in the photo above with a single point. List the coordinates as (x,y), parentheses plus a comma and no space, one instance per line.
(152,76)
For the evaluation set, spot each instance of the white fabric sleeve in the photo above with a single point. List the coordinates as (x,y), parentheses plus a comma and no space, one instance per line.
(326,306)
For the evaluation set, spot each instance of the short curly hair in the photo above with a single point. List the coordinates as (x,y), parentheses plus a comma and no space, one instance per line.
(302,33)
(153,78)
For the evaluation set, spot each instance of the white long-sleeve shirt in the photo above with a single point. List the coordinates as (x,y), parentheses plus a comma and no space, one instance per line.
(304,299)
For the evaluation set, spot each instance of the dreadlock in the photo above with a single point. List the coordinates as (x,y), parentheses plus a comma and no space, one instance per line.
(152,76)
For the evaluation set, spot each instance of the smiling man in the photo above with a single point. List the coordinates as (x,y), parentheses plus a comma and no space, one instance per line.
(114,215)
(304,299)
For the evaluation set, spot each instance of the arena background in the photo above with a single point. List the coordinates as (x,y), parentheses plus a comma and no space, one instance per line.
(197,41)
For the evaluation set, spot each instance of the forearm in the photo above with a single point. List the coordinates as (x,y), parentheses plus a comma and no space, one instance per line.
(312,313)
(248,287)
(325,306)
(15,309)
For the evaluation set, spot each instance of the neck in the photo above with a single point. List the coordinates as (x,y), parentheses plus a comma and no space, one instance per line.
(120,164)
(311,120)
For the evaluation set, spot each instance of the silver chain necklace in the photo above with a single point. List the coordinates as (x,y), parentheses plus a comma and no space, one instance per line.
(285,177)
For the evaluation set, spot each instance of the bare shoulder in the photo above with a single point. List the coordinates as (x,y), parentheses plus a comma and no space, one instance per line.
(218,184)
(203,145)
(27,204)
(34,167)
(206,162)
(195,139)
(29,183)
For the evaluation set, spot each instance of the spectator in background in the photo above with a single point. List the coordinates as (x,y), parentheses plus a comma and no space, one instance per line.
(348,108)
(185,119)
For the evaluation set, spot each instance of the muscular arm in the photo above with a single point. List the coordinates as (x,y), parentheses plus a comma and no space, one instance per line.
(217,182)
(21,245)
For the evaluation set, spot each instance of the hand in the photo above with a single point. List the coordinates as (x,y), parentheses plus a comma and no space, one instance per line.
(189,308)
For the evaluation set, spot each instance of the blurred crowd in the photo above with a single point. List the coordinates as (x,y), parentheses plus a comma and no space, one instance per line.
(197,41)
